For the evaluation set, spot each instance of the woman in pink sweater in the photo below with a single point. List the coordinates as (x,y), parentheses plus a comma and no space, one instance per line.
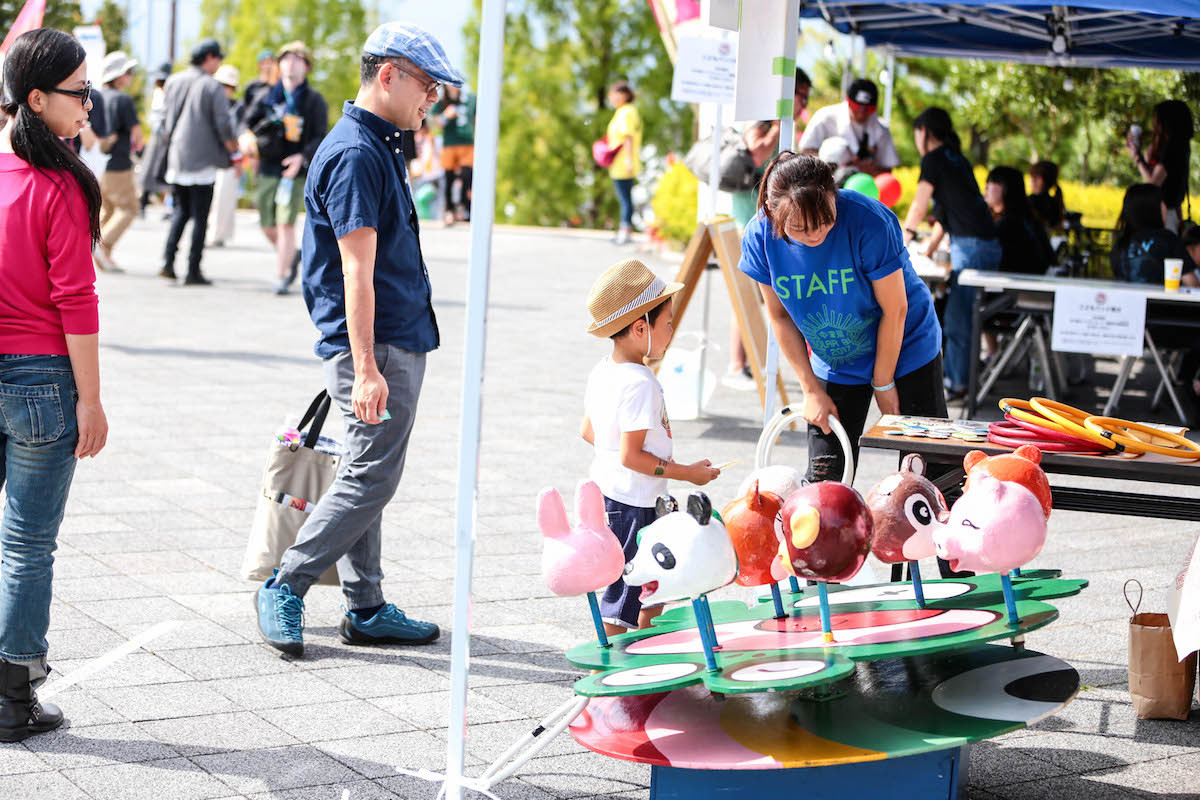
(50,412)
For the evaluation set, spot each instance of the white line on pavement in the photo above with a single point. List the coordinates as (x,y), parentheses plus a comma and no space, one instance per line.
(103,662)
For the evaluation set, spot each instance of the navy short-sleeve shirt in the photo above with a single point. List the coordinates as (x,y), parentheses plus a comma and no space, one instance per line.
(358,179)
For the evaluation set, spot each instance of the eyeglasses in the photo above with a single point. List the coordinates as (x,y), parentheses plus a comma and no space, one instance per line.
(430,86)
(84,94)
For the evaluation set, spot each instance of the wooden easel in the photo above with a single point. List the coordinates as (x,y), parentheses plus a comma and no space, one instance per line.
(719,236)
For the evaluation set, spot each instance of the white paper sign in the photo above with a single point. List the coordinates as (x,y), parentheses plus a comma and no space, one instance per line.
(1183,604)
(1102,322)
(762,41)
(720,13)
(705,71)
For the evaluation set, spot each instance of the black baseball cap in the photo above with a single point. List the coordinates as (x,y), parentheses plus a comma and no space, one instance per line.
(863,92)
(205,48)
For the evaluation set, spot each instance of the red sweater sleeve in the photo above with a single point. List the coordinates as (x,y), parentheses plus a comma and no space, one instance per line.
(69,253)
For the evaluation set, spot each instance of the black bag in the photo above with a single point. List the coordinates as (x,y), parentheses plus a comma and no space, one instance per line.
(268,136)
(736,164)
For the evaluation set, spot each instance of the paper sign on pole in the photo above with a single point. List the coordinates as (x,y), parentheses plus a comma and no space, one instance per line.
(1183,603)
(1102,322)
(92,39)
(766,71)
(720,13)
(705,71)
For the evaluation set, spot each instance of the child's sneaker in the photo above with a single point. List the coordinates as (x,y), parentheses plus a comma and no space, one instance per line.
(389,625)
(280,617)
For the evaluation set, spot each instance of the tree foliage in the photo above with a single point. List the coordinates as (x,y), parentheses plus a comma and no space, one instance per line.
(560,57)
(333,29)
(113,25)
(63,15)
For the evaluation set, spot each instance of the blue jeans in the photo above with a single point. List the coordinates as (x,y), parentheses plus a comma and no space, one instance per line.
(38,434)
(965,253)
(625,197)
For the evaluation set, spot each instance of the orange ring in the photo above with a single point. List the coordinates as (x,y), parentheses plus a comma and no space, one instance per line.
(1187,450)
(1072,420)
(1028,411)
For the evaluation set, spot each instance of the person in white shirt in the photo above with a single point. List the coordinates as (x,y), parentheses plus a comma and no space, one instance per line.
(625,419)
(855,121)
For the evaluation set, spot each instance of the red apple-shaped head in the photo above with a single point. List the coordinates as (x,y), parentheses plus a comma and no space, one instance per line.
(750,523)
(826,533)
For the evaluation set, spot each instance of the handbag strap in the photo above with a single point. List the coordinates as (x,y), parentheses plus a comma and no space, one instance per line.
(317,411)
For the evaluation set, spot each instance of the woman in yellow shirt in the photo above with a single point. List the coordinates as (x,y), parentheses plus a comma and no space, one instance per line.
(625,131)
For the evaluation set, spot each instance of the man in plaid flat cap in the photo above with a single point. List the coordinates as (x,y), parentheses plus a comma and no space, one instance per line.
(367,291)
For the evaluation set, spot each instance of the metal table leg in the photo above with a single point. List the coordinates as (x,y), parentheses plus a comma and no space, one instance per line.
(1044,357)
(1119,386)
(998,369)
(1166,376)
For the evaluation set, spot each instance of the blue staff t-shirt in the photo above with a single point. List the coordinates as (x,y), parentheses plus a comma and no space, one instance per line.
(827,289)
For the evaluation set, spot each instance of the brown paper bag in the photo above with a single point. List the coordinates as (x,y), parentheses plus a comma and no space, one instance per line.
(1160,685)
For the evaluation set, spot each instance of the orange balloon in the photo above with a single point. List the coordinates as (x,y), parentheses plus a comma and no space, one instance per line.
(750,523)
(889,188)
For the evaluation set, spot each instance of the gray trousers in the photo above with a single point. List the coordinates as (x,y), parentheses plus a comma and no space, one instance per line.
(345,527)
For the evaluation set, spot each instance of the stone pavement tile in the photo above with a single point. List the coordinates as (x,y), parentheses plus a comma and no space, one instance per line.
(17,759)
(431,710)
(104,587)
(488,741)
(531,637)
(39,786)
(223,559)
(195,633)
(202,538)
(155,562)
(235,519)
(85,486)
(176,778)
(139,502)
(88,642)
(1167,777)
(276,769)
(132,615)
(135,669)
(65,617)
(585,774)
(90,524)
(281,691)
(217,733)
(97,745)
(1073,787)
(174,487)
(81,566)
(386,680)
(229,661)
(125,541)
(1078,752)
(346,719)
(506,668)
(222,605)
(515,788)
(156,521)
(202,580)
(996,763)
(379,756)
(534,700)
(80,708)
(164,701)
(359,790)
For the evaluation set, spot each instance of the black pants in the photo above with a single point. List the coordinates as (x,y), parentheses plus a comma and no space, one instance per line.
(191,203)
(466,175)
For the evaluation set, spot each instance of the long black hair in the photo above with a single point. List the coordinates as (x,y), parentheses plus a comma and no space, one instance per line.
(797,189)
(936,121)
(1141,210)
(1012,182)
(42,59)
(1050,212)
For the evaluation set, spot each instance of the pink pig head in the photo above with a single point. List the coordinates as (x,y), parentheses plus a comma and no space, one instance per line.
(996,526)
(582,559)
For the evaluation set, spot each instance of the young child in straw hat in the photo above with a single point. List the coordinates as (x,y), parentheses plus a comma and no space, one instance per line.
(625,419)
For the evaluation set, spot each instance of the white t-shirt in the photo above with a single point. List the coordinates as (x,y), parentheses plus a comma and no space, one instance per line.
(835,121)
(622,398)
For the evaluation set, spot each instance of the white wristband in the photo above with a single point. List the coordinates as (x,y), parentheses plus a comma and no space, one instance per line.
(891,385)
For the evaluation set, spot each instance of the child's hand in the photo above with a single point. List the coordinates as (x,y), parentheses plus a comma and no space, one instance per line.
(701,472)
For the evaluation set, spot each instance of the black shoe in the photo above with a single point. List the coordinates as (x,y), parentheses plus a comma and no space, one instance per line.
(21,715)
(167,272)
(196,280)
(294,272)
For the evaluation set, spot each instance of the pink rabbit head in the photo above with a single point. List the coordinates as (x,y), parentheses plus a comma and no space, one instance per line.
(582,559)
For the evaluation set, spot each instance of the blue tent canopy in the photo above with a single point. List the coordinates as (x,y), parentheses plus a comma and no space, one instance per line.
(1164,34)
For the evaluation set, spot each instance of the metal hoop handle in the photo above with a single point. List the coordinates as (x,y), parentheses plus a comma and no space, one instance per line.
(770,436)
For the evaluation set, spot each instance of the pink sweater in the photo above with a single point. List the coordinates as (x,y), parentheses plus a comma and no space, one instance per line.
(47,279)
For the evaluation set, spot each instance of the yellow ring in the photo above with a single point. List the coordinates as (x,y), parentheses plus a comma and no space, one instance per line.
(1072,421)
(1187,449)
(1027,411)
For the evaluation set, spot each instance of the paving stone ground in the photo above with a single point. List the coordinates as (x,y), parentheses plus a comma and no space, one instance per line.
(195,383)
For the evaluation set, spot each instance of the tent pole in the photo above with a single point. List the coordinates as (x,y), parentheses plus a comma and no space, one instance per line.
(889,86)
(483,211)
(787,141)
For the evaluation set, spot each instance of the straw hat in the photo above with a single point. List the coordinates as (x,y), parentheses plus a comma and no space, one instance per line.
(623,293)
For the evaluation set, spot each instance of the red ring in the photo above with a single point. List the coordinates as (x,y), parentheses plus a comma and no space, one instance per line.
(1053,435)
(1045,447)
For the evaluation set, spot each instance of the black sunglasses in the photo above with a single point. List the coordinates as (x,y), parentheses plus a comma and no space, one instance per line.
(83,94)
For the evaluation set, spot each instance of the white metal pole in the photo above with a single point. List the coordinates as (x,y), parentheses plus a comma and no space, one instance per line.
(714,177)
(889,86)
(787,136)
(483,211)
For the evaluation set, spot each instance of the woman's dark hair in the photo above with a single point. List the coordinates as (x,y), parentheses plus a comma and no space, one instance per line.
(1141,210)
(936,122)
(1190,235)
(42,59)
(624,88)
(1173,131)
(797,189)
(1049,213)
(1010,179)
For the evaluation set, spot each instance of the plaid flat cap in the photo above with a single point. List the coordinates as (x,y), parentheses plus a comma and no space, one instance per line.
(405,40)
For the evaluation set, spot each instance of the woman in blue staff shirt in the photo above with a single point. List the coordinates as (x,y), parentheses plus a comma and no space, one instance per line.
(835,276)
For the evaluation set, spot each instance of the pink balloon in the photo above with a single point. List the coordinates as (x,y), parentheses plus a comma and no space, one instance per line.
(889,188)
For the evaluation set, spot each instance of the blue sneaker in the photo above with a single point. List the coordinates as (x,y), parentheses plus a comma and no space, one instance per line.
(390,625)
(280,617)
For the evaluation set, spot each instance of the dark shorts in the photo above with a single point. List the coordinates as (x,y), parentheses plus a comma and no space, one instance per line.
(620,605)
